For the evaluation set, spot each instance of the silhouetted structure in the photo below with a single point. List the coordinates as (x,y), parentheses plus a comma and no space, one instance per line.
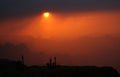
(22,59)
(52,63)
(8,69)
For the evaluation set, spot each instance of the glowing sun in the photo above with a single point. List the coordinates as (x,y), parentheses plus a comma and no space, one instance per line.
(46,14)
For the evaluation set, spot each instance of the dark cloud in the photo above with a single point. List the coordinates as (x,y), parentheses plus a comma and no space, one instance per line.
(11,8)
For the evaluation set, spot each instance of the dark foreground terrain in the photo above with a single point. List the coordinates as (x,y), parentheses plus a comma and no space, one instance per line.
(61,72)
(17,69)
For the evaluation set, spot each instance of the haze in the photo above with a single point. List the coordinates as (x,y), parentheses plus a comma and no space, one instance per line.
(76,37)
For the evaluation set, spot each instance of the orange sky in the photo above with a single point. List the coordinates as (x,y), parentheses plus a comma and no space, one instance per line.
(63,25)
(77,24)
(62,34)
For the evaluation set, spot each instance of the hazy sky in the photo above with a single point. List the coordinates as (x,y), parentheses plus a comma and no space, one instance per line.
(101,14)
(84,31)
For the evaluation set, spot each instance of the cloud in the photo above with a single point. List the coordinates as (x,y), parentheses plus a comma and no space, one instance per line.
(13,8)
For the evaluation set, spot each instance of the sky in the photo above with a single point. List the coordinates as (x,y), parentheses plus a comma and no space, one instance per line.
(84,31)
(11,8)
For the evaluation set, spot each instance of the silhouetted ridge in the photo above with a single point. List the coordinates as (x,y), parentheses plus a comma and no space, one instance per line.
(8,69)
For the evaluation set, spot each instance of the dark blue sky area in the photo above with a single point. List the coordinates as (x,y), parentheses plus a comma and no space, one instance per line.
(10,8)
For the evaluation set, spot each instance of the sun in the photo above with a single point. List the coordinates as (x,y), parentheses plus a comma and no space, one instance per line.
(46,14)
